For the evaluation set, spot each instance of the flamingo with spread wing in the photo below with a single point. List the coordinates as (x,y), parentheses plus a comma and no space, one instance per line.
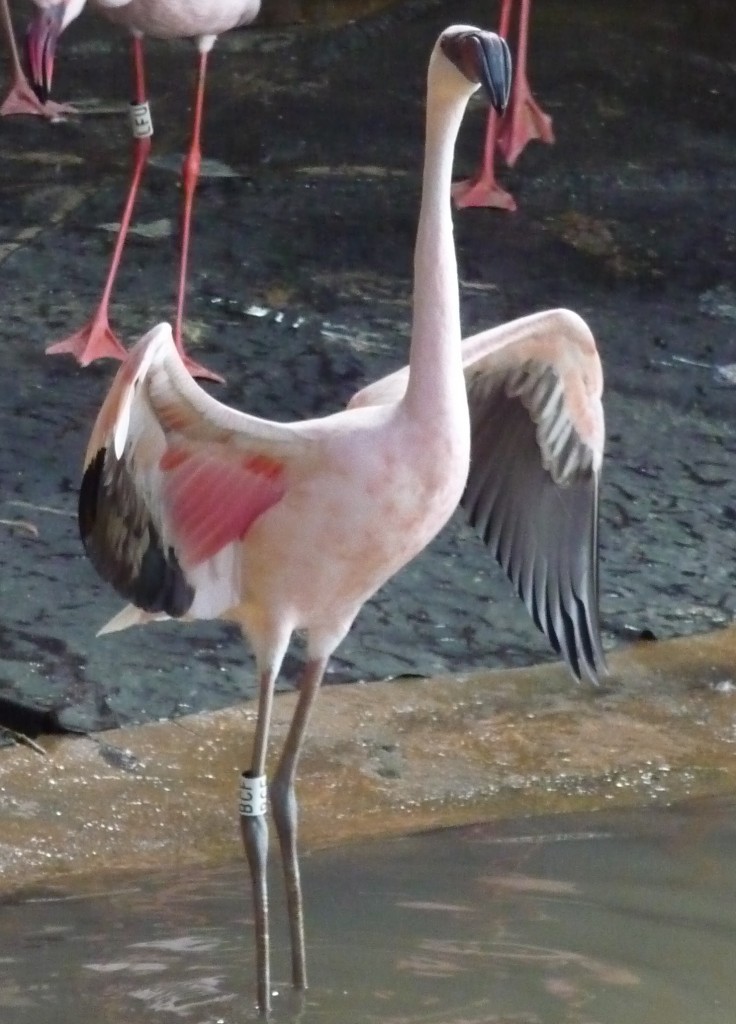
(191,509)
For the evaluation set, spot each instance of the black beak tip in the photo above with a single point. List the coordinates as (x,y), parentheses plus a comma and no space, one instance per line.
(500,75)
(38,40)
(41,91)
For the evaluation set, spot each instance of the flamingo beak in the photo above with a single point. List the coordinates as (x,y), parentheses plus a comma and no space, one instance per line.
(41,39)
(493,64)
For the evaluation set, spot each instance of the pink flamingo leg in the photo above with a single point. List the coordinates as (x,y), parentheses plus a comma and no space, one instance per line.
(524,120)
(22,99)
(96,340)
(190,177)
(483,189)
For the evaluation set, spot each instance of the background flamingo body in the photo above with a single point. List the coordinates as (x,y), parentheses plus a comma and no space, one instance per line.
(179,19)
(192,509)
(201,20)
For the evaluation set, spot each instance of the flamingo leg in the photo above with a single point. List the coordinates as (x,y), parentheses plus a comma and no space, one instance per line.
(189,178)
(284,809)
(96,340)
(483,189)
(254,830)
(22,99)
(524,120)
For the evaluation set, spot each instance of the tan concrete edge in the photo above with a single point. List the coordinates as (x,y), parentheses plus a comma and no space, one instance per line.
(382,758)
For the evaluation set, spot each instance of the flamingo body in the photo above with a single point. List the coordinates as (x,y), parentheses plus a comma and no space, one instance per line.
(284,526)
(179,19)
(192,509)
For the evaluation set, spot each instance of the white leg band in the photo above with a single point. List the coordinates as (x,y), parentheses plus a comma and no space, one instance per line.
(253,792)
(141,121)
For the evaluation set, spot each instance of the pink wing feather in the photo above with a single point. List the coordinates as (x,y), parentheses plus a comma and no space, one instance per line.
(213,501)
(172,480)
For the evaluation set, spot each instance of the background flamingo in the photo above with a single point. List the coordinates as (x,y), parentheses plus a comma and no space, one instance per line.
(523,121)
(202,20)
(22,99)
(194,510)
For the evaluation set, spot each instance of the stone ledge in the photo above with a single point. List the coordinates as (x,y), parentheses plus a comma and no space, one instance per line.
(381,758)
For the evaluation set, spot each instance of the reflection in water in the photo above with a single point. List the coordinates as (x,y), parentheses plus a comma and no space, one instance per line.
(604,919)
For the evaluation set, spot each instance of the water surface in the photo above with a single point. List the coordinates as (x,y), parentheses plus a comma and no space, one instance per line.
(598,919)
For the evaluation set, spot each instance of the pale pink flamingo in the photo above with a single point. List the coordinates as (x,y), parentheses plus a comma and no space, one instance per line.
(523,121)
(193,510)
(202,20)
(22,99)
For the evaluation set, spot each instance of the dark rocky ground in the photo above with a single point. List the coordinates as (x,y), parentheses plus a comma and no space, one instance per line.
(629,219)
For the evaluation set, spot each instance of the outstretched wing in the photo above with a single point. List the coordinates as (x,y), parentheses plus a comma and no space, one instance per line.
(173,481)
(532,494)
(534,390)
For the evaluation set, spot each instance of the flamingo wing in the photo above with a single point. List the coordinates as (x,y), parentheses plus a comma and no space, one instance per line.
(532,491)
(534,390)
(173,481)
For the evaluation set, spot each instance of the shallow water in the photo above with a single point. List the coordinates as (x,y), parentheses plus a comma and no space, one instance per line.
(597,919)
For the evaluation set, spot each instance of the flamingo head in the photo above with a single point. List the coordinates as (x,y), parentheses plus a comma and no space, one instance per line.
(41,38)
(482,58)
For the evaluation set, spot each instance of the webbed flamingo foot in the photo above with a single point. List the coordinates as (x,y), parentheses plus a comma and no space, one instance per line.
(22,100)
(482,191)
(196,369)
(54,110)
(95,340)
(524,121)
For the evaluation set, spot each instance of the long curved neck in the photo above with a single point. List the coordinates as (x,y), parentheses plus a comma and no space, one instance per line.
(435,364)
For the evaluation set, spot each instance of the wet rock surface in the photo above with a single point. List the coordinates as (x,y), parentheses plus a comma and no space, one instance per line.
(299,294)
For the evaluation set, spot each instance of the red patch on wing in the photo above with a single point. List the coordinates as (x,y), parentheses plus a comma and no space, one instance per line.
(172,458)
(173,417)
(264,466)
(213,501)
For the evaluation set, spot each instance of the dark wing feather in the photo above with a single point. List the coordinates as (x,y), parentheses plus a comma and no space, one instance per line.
(541,523)
(123,542)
